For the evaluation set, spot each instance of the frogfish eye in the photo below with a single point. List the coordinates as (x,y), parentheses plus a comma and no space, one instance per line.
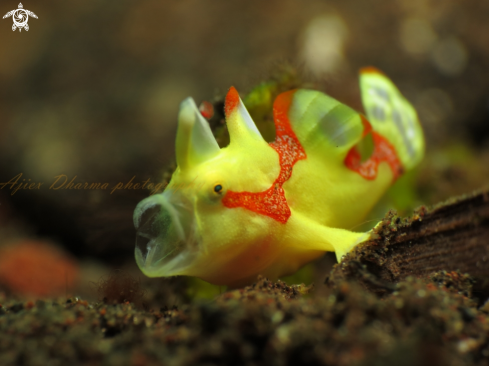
(218,188)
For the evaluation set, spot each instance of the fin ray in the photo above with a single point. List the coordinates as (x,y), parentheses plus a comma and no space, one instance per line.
(392,116)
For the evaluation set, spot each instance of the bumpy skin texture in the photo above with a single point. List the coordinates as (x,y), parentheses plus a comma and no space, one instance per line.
(254,207)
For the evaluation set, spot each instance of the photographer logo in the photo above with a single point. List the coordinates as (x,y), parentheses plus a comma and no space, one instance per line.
(20,17)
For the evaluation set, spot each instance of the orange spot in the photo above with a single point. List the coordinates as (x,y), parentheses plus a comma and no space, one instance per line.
(37,268)
(383,151)
(371,70)
(272,202)
(231,102)
(206,109)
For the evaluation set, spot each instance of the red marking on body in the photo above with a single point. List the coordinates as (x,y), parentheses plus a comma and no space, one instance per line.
(272,202)
(231,102)
(383,151)
(367,127)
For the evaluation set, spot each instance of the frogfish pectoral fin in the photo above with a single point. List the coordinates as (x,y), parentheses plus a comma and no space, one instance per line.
(346,241)
(323,238)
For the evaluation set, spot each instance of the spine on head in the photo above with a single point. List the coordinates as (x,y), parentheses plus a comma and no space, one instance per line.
(242,129)
(195,142)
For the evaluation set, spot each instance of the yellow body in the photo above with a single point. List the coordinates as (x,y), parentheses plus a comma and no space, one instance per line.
(192,228)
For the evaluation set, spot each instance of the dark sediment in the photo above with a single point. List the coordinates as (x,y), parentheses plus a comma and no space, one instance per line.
(408,297)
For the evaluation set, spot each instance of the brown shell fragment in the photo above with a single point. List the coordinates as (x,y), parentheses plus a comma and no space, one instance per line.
(451,236)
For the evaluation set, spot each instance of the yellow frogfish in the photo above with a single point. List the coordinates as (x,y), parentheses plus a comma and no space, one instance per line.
(230,214)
